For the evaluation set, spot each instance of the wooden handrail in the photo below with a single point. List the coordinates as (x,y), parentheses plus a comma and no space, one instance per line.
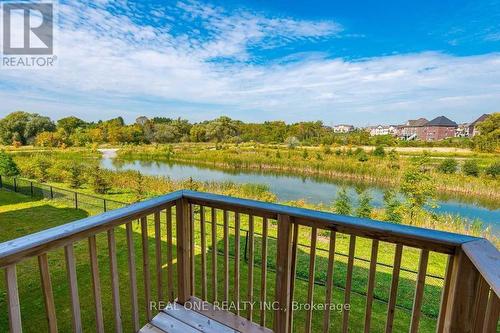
(439,241)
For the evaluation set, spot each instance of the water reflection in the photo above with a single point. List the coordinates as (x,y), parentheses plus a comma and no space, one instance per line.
(314,189)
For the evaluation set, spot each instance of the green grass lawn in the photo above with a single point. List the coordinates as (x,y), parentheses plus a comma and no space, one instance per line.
(20,215)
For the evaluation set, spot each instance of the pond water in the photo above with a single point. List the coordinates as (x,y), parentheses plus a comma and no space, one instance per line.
(289,187)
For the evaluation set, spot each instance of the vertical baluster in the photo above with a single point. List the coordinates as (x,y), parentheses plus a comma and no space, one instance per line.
(293,269)
(183,248)
(145,266)
(237,262)
(115,289)
(283,274)
(159,270)
(371,285)
(445,295)
(192,253)
(13,305)
(48,296)
(394,288)
(310,289)
(170,261)
(226,256)
(348,283)
(132,277)
(214,254)
(73,285)
(263,280)
(329,282)
(250,265)
(203,254)
(419,292)
(96,284)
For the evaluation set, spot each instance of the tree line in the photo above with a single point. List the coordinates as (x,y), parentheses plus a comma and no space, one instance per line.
(23,128)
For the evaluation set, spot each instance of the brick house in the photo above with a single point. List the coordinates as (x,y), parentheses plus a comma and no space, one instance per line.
(437,129)
(409,130)
(473,130)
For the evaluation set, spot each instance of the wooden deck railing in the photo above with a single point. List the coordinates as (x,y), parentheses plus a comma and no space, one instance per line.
(197,235)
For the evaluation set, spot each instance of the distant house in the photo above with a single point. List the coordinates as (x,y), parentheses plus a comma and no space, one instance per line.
(438,128)
(473,130)
(382,130)
(342,128)
(409,131)
(462,130)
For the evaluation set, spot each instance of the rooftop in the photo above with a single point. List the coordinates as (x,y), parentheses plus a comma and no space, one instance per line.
(441,121)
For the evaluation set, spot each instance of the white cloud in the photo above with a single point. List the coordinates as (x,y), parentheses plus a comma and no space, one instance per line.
(109,57)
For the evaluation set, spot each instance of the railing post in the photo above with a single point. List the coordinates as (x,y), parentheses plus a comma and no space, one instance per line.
(461,306)
(76,200)
(31,188)
(15,185)
(51,193)
(183,250)
(283,274)
(104,205)
(1,183)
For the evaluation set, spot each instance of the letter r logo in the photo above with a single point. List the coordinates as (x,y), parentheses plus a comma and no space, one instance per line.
(28,28)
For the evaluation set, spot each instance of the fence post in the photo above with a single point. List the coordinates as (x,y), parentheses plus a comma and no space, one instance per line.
(283,274)
(104,205)
(15,185)
(51,193)
(1,184)
(76,200)
(461,307)
(183,249)
(31,188)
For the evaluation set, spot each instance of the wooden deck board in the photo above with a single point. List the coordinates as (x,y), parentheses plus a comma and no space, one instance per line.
(197,320)
(169,324)
(176,318)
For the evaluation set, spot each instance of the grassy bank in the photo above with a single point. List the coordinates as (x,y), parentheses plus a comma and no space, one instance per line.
(18,212)
(335,163)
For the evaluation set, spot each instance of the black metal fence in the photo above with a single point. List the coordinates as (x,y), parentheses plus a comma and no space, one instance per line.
(45,191)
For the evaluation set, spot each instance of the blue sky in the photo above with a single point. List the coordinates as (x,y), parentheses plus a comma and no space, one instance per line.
(360,62)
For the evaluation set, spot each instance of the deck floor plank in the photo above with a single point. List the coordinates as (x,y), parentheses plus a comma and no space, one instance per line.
(169,324)
(176,318)
(197,320)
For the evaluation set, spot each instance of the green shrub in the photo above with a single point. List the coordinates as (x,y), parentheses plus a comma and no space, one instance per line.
(364,207)
(493,170)
(99,181)
(75,175)
(393,208)
(42,165)
(342,203)
(362,156)
(471,168)
(393,159)
(138,185)
(379,151)
(7,165)
(448,165)
(305,154)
